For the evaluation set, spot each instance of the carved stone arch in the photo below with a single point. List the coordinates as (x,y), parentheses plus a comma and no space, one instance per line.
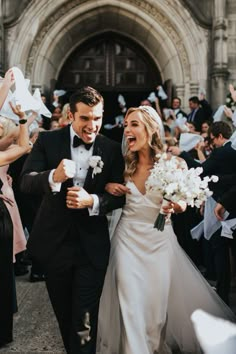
(152,38)
(165,29)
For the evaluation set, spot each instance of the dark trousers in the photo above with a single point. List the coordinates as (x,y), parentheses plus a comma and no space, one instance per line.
(75,286)
(220,252)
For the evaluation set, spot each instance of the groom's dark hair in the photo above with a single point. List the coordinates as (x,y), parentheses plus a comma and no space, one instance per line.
(86,95)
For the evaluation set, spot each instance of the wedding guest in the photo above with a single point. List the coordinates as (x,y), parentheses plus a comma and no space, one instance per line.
(56,114)
(54,125)
(28,207)
(6,233)
(176,107)
(204,128)
(219,162)
(200,112)
(46,120)
(5,85)
(65,118)
(192,127)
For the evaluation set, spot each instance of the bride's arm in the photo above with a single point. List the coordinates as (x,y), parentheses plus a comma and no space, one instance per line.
(116,189)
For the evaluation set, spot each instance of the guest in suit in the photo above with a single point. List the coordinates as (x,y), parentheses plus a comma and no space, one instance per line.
(70,235)
(227,203)
(222,161)
(200,112)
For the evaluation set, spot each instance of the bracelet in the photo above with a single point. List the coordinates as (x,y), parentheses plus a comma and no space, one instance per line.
(22,121)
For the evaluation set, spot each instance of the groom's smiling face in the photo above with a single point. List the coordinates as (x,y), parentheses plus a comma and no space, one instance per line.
(87,121)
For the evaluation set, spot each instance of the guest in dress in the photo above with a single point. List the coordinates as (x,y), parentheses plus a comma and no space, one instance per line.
(6,237)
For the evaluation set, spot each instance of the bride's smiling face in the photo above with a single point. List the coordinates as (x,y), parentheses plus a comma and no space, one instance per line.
(135,132)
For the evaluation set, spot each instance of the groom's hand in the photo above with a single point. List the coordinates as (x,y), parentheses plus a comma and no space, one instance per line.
(78,198)
(65,170)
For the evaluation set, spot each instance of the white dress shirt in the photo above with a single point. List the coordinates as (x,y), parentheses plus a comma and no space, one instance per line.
(81,158)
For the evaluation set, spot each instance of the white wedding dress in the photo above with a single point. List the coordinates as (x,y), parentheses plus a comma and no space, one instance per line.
(151,287)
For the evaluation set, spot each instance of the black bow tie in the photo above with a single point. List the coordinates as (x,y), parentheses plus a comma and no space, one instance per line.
(77,142)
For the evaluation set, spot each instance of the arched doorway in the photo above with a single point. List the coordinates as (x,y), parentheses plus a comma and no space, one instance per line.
(114,65)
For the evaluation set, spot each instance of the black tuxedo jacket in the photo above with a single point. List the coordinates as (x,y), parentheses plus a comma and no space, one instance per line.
(227,183)
(228,199)
(199,118)
(221,162)
(54,220)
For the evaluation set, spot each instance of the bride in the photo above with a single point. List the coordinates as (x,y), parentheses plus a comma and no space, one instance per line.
(151,287)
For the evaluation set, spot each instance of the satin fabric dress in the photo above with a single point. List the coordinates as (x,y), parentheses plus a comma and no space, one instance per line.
(151,287)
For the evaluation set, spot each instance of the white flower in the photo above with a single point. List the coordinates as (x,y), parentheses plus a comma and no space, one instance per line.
(214,178)
(198,170)
(97,164)
(171,188)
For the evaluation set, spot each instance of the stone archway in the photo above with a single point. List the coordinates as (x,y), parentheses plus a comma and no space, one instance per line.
(47,35)
(109,62)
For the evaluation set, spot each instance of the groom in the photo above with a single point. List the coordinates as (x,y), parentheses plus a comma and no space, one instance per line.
(70,238)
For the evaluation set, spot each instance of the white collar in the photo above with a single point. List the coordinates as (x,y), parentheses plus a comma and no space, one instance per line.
(72,134)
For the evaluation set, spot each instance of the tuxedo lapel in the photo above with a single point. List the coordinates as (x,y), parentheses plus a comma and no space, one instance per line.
(90,180)
(65,152)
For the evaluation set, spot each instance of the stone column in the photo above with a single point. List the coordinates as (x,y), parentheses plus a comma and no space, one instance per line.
(35,86)
(1,41)
(181,93)
(219,72)
(193,88)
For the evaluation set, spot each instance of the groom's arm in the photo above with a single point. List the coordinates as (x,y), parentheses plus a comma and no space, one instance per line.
(101,203)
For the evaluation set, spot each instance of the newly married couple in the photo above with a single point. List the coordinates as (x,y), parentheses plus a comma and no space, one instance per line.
(151,288)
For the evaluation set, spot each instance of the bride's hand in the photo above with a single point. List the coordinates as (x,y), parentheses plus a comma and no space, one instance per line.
(116,189)
(176,208)
(179,207)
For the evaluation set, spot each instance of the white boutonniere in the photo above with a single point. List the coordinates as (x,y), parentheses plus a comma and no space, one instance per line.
(97,164)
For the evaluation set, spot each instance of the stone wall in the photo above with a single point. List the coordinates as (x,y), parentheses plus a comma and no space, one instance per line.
(231,15)
(195,46)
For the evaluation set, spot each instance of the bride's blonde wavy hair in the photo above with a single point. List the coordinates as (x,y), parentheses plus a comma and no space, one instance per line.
(154,139)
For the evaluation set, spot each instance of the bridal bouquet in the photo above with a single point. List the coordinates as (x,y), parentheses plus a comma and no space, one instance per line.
(177,184)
